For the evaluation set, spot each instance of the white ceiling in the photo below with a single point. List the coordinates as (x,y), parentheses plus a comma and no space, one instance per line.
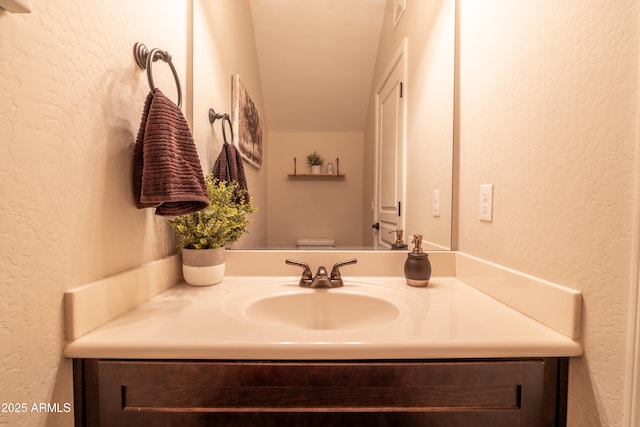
(316,60)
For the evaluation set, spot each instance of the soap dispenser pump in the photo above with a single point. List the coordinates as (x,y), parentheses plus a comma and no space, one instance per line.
(399,244)
(417,267)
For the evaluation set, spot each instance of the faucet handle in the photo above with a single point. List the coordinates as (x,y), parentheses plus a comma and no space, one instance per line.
(335,272)
(307,276)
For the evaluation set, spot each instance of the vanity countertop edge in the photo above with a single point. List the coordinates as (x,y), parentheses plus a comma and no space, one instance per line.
(458,321)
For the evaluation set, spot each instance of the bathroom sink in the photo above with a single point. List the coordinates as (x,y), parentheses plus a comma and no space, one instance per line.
(286,305)
(323,309)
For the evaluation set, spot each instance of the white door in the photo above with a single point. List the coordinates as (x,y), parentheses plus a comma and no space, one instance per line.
(389,195)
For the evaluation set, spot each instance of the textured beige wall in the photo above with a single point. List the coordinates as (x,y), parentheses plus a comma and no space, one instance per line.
(548,97)
(306,207)
(223,45)
(429,29)
(71,99)
(547,113)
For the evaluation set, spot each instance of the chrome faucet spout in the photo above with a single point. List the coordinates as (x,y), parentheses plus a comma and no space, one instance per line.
(322,279)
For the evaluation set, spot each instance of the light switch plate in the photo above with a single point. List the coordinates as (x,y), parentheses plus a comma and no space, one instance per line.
(435,208)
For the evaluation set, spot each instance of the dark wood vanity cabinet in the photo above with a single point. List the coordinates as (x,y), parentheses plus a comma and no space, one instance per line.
(434,393)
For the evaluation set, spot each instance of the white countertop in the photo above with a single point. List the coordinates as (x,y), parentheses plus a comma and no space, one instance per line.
(448,319)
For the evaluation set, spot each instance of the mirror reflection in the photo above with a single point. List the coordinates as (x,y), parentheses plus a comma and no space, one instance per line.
(368,85)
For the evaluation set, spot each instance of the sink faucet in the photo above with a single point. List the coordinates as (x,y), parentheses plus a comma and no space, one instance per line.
(322,278)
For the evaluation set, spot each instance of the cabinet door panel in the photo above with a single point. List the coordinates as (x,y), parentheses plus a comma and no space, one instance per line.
(279,419)
(493,393)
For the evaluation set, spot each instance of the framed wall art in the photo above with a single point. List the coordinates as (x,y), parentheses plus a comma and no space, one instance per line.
(247,123)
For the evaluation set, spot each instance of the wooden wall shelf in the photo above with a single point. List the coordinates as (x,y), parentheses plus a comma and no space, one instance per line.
(317,175)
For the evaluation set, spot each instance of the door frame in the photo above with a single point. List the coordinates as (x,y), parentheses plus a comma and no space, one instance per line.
(631,406)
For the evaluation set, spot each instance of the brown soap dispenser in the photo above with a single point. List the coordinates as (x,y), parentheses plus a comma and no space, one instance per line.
(417,267)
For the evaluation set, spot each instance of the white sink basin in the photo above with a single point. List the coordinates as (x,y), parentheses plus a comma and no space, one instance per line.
(286,305)
(323,310)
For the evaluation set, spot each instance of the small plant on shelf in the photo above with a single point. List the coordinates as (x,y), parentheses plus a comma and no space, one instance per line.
(314,159)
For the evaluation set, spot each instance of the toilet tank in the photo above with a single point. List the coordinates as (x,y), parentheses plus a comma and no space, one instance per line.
(315,244)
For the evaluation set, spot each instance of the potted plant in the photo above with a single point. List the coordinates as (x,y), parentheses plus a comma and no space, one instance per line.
(203,235)
(315,161)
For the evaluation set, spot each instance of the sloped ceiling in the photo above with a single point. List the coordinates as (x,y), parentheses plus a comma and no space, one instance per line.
(316,60)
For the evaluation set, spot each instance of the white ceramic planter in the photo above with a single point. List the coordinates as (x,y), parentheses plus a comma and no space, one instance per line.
(316,169)
(203,267)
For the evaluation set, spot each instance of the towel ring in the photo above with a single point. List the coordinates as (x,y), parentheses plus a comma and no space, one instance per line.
(226,119)
(145,58)
(213,116)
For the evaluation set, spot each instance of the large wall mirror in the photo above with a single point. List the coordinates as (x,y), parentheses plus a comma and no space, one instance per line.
(343,78)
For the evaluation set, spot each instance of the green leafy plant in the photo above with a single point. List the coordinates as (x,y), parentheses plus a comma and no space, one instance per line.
(223,221)
(314,159)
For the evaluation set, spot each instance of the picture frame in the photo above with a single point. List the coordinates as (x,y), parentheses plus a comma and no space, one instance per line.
(247,123)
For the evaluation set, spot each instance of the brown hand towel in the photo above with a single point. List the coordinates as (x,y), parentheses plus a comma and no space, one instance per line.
(166,168)
(228,167)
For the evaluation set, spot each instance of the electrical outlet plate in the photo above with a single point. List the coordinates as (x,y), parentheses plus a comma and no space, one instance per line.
(436,203)
(486,202)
